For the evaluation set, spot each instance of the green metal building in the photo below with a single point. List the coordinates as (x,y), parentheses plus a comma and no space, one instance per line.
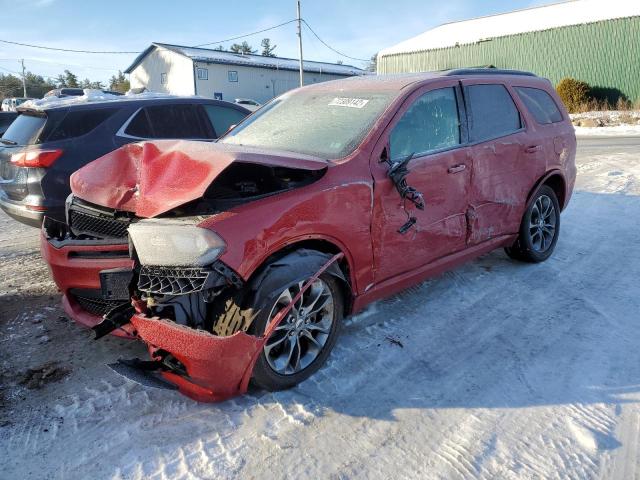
(595,41)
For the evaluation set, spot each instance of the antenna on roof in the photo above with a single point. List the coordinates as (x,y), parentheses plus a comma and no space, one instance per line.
(300,46)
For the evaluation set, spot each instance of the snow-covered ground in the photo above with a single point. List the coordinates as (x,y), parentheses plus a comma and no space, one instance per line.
(609,131)
(494,370)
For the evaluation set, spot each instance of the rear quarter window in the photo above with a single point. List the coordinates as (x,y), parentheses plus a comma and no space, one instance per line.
(223,117)
(79,122)
(540,104)
(492,112)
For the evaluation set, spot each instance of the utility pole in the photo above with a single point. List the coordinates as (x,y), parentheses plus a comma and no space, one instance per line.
(300,46)
(24,82)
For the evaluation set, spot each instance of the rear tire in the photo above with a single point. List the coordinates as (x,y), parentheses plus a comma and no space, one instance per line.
(539,229)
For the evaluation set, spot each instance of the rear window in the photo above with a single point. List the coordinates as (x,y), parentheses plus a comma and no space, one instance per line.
(223,117)
(492,112)
(540,104)
(78,123)
(169,121)
(25,129)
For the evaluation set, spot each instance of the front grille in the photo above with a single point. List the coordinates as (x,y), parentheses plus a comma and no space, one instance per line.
(92,302)
(172,280)
(84,223)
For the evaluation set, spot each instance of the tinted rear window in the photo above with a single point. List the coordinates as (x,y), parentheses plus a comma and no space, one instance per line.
(540,104)
(78,123)
(492,112)
(169,121)
(223,117)
(25,129)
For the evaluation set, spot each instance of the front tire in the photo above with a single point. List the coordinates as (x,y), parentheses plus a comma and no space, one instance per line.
(539,229)
(304,339)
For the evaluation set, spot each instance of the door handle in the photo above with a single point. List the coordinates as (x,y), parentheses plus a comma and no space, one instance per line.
(457,168)
(533,148)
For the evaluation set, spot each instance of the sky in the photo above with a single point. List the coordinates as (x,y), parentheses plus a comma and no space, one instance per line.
(356,28)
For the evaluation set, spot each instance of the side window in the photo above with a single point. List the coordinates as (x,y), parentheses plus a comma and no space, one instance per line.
(430,124)
(168,121)
(139,126)
(492,112)
(540,104)
(223,117)
(78,123)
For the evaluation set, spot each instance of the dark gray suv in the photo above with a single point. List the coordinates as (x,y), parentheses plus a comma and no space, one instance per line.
(45,145)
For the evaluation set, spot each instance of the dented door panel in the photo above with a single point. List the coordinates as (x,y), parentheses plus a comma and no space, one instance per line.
(503,174)
(440,229)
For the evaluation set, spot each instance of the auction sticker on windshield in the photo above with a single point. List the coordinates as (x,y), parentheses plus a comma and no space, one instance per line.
(348,102)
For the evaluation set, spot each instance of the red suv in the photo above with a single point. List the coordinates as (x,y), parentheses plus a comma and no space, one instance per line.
(238,260)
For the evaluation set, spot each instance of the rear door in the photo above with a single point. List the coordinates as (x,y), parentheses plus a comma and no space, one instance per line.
(552,137)
(427,127)
(505,164)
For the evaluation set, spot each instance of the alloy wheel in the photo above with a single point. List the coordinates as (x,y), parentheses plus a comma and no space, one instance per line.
(303,333)
(542,224)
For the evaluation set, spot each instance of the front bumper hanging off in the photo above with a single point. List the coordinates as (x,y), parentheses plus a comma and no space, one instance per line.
(209,368)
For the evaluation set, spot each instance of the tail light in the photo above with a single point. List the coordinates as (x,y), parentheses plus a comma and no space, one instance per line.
(36,158)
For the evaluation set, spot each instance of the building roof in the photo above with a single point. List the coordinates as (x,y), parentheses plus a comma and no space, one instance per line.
(572,12)
(207,55)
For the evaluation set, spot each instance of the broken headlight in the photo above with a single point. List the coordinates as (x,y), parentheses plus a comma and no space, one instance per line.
(175,244)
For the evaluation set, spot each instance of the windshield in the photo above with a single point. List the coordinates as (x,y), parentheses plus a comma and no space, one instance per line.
(325,124)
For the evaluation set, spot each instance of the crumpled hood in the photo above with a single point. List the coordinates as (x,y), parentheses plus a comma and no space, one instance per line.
(151,178)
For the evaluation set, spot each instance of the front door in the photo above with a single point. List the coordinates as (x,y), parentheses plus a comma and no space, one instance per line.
(427,127)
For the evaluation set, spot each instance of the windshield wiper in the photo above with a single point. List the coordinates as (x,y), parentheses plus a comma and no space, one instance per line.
(7,141)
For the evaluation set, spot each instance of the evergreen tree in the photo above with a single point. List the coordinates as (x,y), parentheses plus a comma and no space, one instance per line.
(243,48)
(37,86)
(267,49)
(119,83)
(86,83)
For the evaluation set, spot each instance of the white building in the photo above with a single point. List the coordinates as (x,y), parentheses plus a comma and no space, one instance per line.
(182,70)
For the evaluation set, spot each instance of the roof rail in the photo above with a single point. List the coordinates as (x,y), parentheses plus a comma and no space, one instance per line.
(487,71)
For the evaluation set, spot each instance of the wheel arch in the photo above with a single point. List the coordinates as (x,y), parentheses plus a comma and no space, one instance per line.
(556,181)
(322,245)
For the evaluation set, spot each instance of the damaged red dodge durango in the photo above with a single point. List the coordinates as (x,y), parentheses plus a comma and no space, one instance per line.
(237,261)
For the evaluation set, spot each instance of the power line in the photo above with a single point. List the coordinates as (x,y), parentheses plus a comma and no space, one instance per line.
(73,65)
(64,49)
(246,35)
(125,52)
(43,47)
(329,46)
